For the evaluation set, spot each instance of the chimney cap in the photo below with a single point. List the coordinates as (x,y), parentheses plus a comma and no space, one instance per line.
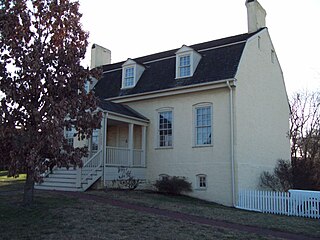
(248,1)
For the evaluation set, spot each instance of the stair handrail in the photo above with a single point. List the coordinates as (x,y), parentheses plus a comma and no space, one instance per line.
(95,167)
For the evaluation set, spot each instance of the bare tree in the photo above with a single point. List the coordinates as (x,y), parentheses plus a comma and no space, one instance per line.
(305,126)
(305,139)
(303,172)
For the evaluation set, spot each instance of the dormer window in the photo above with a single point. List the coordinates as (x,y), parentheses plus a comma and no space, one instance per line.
(131,73)
(184,66)
(129,77)
(187,61)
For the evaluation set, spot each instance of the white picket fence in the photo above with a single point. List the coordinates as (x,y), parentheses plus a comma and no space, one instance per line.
(293,203)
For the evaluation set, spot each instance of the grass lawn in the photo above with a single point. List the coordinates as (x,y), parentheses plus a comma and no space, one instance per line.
(59,217)
(305,226)
(10,183)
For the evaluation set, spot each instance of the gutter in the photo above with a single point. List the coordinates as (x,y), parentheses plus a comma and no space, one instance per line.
(232,143)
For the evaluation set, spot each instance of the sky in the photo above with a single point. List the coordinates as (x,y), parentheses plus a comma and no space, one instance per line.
(137,28)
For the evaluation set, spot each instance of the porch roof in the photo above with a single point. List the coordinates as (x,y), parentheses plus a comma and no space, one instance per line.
(120,109)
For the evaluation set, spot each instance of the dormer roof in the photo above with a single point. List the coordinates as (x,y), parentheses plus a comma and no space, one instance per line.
(129,62)
(184,49)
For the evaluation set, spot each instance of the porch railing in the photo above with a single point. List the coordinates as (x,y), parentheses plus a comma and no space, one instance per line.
(90,167)
(116,156)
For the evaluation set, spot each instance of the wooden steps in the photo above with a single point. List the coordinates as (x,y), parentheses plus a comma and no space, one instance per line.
(61,179)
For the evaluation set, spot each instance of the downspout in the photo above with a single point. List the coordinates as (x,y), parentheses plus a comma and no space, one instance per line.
(232,143)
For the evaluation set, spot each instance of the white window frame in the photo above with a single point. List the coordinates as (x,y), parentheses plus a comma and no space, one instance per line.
(184,66)
(194,58)
(137,71)
(131,77)
(159,112)
(202,181)
(163,176)
(196,127)
(69,135)
(95,134)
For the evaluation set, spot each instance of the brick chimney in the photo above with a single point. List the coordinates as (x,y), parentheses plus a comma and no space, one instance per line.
(256,16)
(99,56)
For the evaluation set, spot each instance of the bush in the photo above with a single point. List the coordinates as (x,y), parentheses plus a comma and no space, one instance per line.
(173,185)
(125,180)
(281,179)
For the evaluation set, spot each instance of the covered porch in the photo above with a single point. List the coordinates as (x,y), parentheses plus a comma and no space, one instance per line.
(120,142)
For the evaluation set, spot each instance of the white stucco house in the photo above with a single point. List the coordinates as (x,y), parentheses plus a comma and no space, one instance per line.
(215,113)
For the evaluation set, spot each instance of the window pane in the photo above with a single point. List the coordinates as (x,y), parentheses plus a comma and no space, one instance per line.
(129,77)
(184,66)
(203,125)
(69,135)
(165,129)
(95,140)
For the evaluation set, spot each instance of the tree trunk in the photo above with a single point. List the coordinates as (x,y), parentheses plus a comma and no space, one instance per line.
(28,189)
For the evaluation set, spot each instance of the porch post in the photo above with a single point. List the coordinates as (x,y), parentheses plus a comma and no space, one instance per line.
(90,147)
(104,144)
(130,144)
(143,145)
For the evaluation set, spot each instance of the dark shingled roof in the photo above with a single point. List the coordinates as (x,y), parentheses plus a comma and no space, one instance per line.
(120,109)
(220,60)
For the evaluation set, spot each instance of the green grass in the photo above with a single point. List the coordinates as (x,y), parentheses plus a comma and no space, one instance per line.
(54,216)
(11,183)
(305,226)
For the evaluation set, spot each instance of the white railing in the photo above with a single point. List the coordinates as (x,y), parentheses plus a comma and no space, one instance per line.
(90,167)
(292,203)
(137,158)
(116,156)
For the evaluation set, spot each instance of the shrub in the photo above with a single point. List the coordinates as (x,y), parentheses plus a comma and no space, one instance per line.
(173,185)
(281,179)
(125,180)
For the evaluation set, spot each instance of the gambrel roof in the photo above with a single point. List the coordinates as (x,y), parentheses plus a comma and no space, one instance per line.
(219,61)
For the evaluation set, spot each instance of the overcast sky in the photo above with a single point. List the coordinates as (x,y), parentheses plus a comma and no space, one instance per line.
(136,28)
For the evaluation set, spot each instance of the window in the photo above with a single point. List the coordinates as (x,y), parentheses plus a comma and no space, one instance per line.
(273,55)
(87,86)
(184,66)
(165,129)
(259,42)
(131,73)
(164,176)
(129,77)
(203,125)
(187,60)
(69,134)
(202,181)
(95,140)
